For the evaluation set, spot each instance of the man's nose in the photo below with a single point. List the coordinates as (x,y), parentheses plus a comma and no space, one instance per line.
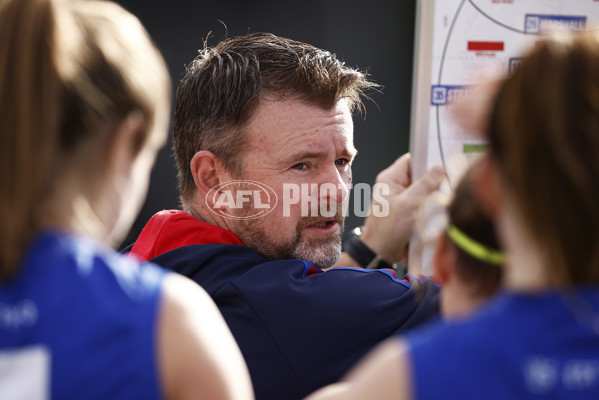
(333,189)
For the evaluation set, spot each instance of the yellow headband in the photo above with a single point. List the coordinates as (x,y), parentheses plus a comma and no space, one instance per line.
(474,248)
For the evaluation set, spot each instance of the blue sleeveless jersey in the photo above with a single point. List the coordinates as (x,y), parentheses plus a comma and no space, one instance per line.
(543,346)
(78,321)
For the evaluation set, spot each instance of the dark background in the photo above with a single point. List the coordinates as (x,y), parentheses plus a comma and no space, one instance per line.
(376,35)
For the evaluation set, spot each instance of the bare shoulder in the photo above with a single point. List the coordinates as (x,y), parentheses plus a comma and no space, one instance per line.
(197,351)
(383,374)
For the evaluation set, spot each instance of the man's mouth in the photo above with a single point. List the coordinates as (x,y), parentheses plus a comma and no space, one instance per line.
(324,226)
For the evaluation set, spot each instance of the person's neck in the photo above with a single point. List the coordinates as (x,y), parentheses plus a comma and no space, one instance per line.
(77,216)
(458,300)
(194,213)
(197,209)
(526,269)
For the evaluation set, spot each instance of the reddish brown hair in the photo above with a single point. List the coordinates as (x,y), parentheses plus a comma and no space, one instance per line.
(544,135)
(465,213)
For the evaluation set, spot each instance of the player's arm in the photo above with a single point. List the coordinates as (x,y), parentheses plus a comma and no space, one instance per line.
(198,356)
(383,374)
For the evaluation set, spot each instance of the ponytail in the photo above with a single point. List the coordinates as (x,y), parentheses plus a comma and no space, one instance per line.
(29,113)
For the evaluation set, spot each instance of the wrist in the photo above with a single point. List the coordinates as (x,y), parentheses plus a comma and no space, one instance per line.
(362,253)
(372,239)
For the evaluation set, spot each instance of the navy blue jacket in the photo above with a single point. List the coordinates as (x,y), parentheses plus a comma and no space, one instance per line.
(299,328)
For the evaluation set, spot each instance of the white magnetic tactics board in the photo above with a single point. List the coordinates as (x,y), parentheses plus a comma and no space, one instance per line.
(458,41)
(455,41)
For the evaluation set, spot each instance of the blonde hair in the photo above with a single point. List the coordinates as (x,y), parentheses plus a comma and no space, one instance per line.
(67,68)
(544,135)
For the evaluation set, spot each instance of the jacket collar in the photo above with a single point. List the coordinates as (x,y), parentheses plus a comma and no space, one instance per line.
(170,229)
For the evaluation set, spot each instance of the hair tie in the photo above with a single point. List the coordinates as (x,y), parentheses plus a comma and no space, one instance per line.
(474,248)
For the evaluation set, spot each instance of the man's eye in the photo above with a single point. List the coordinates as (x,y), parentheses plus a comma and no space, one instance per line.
(300,166)
(342,161)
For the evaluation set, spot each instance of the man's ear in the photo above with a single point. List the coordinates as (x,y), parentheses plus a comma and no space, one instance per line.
(443,260)
(208,173)
(485,181)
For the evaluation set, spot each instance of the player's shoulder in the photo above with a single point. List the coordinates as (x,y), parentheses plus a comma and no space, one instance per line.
(87,263)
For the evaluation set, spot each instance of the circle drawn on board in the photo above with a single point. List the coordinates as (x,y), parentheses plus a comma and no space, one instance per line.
(441,66)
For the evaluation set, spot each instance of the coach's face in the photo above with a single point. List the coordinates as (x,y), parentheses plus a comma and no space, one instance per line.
(304,154)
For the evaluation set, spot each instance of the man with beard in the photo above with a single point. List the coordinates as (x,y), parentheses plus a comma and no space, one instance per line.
(263,140)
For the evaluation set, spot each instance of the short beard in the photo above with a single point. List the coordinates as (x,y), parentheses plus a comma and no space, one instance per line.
(323,256)
(322,252)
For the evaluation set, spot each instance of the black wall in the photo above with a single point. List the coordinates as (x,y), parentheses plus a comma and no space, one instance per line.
(376,34)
